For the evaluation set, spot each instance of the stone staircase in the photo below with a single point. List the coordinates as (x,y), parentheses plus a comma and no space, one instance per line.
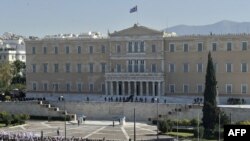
(172,113)
(56,111)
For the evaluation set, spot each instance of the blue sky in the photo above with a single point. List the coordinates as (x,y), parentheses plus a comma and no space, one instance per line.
(42,17)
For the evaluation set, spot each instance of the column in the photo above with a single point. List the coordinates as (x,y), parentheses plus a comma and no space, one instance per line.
(111,88)
(147,90)
(134,88)
(106,88)
(153,86)
(163,88)
(159,88)
(123,87)
(117,87)
(129,88)
(141,86)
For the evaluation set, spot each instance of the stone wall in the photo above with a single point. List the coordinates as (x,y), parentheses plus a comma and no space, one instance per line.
(113,110)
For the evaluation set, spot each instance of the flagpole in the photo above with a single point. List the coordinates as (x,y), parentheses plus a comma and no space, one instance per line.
(137,14)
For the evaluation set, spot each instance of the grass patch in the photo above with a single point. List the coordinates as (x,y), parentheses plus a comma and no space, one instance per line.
(195,139)
(181,134)
(2,125)
(185,135)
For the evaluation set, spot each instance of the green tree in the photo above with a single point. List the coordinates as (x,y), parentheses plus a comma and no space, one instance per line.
(210,110)
(18,69)
(6,74)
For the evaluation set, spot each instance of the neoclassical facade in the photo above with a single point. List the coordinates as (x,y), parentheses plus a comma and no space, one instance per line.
(137,61)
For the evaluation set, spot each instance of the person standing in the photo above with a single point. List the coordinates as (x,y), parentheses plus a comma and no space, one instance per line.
(58,132)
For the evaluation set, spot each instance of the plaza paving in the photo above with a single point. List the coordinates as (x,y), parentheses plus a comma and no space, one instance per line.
(89,129)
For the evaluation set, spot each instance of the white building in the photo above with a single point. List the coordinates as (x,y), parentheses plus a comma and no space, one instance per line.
(12,47)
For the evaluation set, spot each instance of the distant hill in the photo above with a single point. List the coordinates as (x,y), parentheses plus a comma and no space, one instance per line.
(222,27)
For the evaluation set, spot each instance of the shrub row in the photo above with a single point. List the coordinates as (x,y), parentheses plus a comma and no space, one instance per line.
(16,119)
(34,117)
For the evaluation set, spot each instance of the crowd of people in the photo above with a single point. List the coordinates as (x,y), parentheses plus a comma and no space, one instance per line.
(30,136)
(131,99)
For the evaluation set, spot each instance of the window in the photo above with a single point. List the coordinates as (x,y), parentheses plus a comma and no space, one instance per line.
(229,88)
(130,47)
(91,87)
(214,47)
(172,47)
(67,67)
(199,88)
(185,67)
(34,68)
(91,49)
(229,67)
(199,67)
(91,69)
(171,88)
(103,67)
(185,88)
(45,86)
(56,50)
(103,49)
(136,47)
(44,50)
(130,63)
(142,46)
(229,46)
(216,67)
(243,88)
(33,50)
(200,47)
(68,87)
(153,48)
(142,66)
(244,67)
(79,49)
(118,49)
(244,46)
(185,46)
(79,68)
(67,49)
(34,88)
(118,67)
(153,67)
(136,66)
(55,87)
(56,67)
(45,67)
(103,88)
(171,67)
(79,87)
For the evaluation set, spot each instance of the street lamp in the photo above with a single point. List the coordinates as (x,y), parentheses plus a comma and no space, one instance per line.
(177,120)
(134,127)
(198,126)
(156,99)
(65,112)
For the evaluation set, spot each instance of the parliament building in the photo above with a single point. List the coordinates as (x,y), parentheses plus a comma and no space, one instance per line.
(137,61)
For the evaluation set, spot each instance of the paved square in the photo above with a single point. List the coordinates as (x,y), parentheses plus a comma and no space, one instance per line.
(89,129)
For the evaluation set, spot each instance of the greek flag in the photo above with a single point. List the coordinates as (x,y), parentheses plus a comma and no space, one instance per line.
(134,9)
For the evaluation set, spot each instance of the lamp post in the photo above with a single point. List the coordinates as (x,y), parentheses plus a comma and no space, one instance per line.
(177,120)
(134,127)
(198,126)
(219,126)
(157,122)
(63,99)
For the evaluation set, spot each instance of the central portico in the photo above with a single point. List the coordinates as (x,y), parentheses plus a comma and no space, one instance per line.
(136,63)
(139,84)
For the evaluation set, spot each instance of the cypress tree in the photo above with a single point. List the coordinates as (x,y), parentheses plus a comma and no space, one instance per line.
(210,111)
